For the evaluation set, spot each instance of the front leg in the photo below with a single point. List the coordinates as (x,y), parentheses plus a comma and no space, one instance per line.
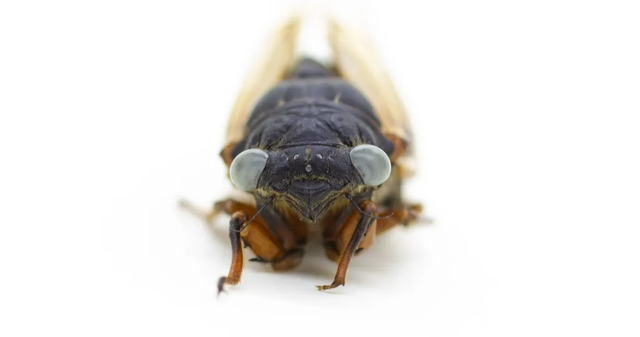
(364,222)
(238,219)
(278,243)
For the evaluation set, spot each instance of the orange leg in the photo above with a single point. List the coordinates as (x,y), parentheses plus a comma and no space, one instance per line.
(238,219)
(405,215)
(336,241)
(358,233)
(356,228)
(283,251)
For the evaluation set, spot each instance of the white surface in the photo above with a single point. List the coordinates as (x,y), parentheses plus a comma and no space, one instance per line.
(527,125)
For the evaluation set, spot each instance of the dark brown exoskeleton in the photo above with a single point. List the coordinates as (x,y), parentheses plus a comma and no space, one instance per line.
(315,145)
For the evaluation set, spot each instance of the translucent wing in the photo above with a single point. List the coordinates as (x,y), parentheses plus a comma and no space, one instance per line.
(357,62)
(275,59)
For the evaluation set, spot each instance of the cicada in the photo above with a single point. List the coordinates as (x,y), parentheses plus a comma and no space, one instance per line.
(313,145)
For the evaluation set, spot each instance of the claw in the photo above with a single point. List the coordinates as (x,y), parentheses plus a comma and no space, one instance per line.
(226,280)
(335,284)
(221,282)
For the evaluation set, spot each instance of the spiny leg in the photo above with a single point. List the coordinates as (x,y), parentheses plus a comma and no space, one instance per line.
(238,219)
(283,249)
(364,221)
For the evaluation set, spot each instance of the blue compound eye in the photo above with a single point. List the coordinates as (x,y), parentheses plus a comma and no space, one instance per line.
(372,163)
(246,169)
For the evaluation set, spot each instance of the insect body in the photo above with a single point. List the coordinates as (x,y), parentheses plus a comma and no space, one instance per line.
(315,145)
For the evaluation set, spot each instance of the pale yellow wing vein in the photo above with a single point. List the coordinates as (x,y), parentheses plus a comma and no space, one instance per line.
(274,61)
(357,61)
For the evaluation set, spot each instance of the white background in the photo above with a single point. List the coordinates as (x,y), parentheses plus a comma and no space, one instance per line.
(527,127)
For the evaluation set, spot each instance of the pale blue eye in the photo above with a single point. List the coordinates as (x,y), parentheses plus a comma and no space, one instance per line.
(246,169)
(372,163)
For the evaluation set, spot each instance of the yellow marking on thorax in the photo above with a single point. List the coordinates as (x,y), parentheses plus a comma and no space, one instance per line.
(307,153)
